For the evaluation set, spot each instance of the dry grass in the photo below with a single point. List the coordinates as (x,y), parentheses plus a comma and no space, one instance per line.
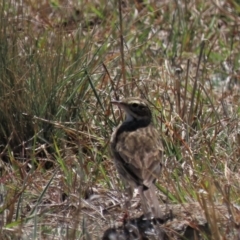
(60,64)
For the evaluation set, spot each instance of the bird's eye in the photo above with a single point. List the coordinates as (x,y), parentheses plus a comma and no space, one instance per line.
(134,105)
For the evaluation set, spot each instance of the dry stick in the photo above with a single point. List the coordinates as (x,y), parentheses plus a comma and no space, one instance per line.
(60,125)
(212,105)
(111,81)
(184,101)
(122,48)
(94,90)
(7,145)
(185,90)
(177,93)
(195,84)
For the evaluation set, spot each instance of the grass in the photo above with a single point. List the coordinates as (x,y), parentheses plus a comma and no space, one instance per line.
(61,64)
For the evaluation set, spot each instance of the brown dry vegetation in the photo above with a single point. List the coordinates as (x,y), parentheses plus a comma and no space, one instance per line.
(61,62)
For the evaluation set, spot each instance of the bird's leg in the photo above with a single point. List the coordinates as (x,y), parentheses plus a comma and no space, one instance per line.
(129,191)
(151,197)
(127,200)
(150,203)
(144,201)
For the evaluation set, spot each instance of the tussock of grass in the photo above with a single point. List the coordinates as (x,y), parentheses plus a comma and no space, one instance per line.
(60,64)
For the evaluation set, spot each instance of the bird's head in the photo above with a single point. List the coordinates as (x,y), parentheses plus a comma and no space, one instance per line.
(135,109)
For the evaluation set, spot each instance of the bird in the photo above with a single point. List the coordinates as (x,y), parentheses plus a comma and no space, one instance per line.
(137,151)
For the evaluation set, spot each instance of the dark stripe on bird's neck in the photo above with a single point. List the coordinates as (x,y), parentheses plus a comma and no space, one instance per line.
(133,125)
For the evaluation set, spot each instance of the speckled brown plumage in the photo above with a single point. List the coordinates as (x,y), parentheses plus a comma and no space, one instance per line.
(137,151)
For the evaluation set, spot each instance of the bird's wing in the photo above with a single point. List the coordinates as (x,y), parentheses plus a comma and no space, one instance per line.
(140,148)
(141,154)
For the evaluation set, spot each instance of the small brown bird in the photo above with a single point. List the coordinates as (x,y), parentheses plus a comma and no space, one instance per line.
(137,151)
